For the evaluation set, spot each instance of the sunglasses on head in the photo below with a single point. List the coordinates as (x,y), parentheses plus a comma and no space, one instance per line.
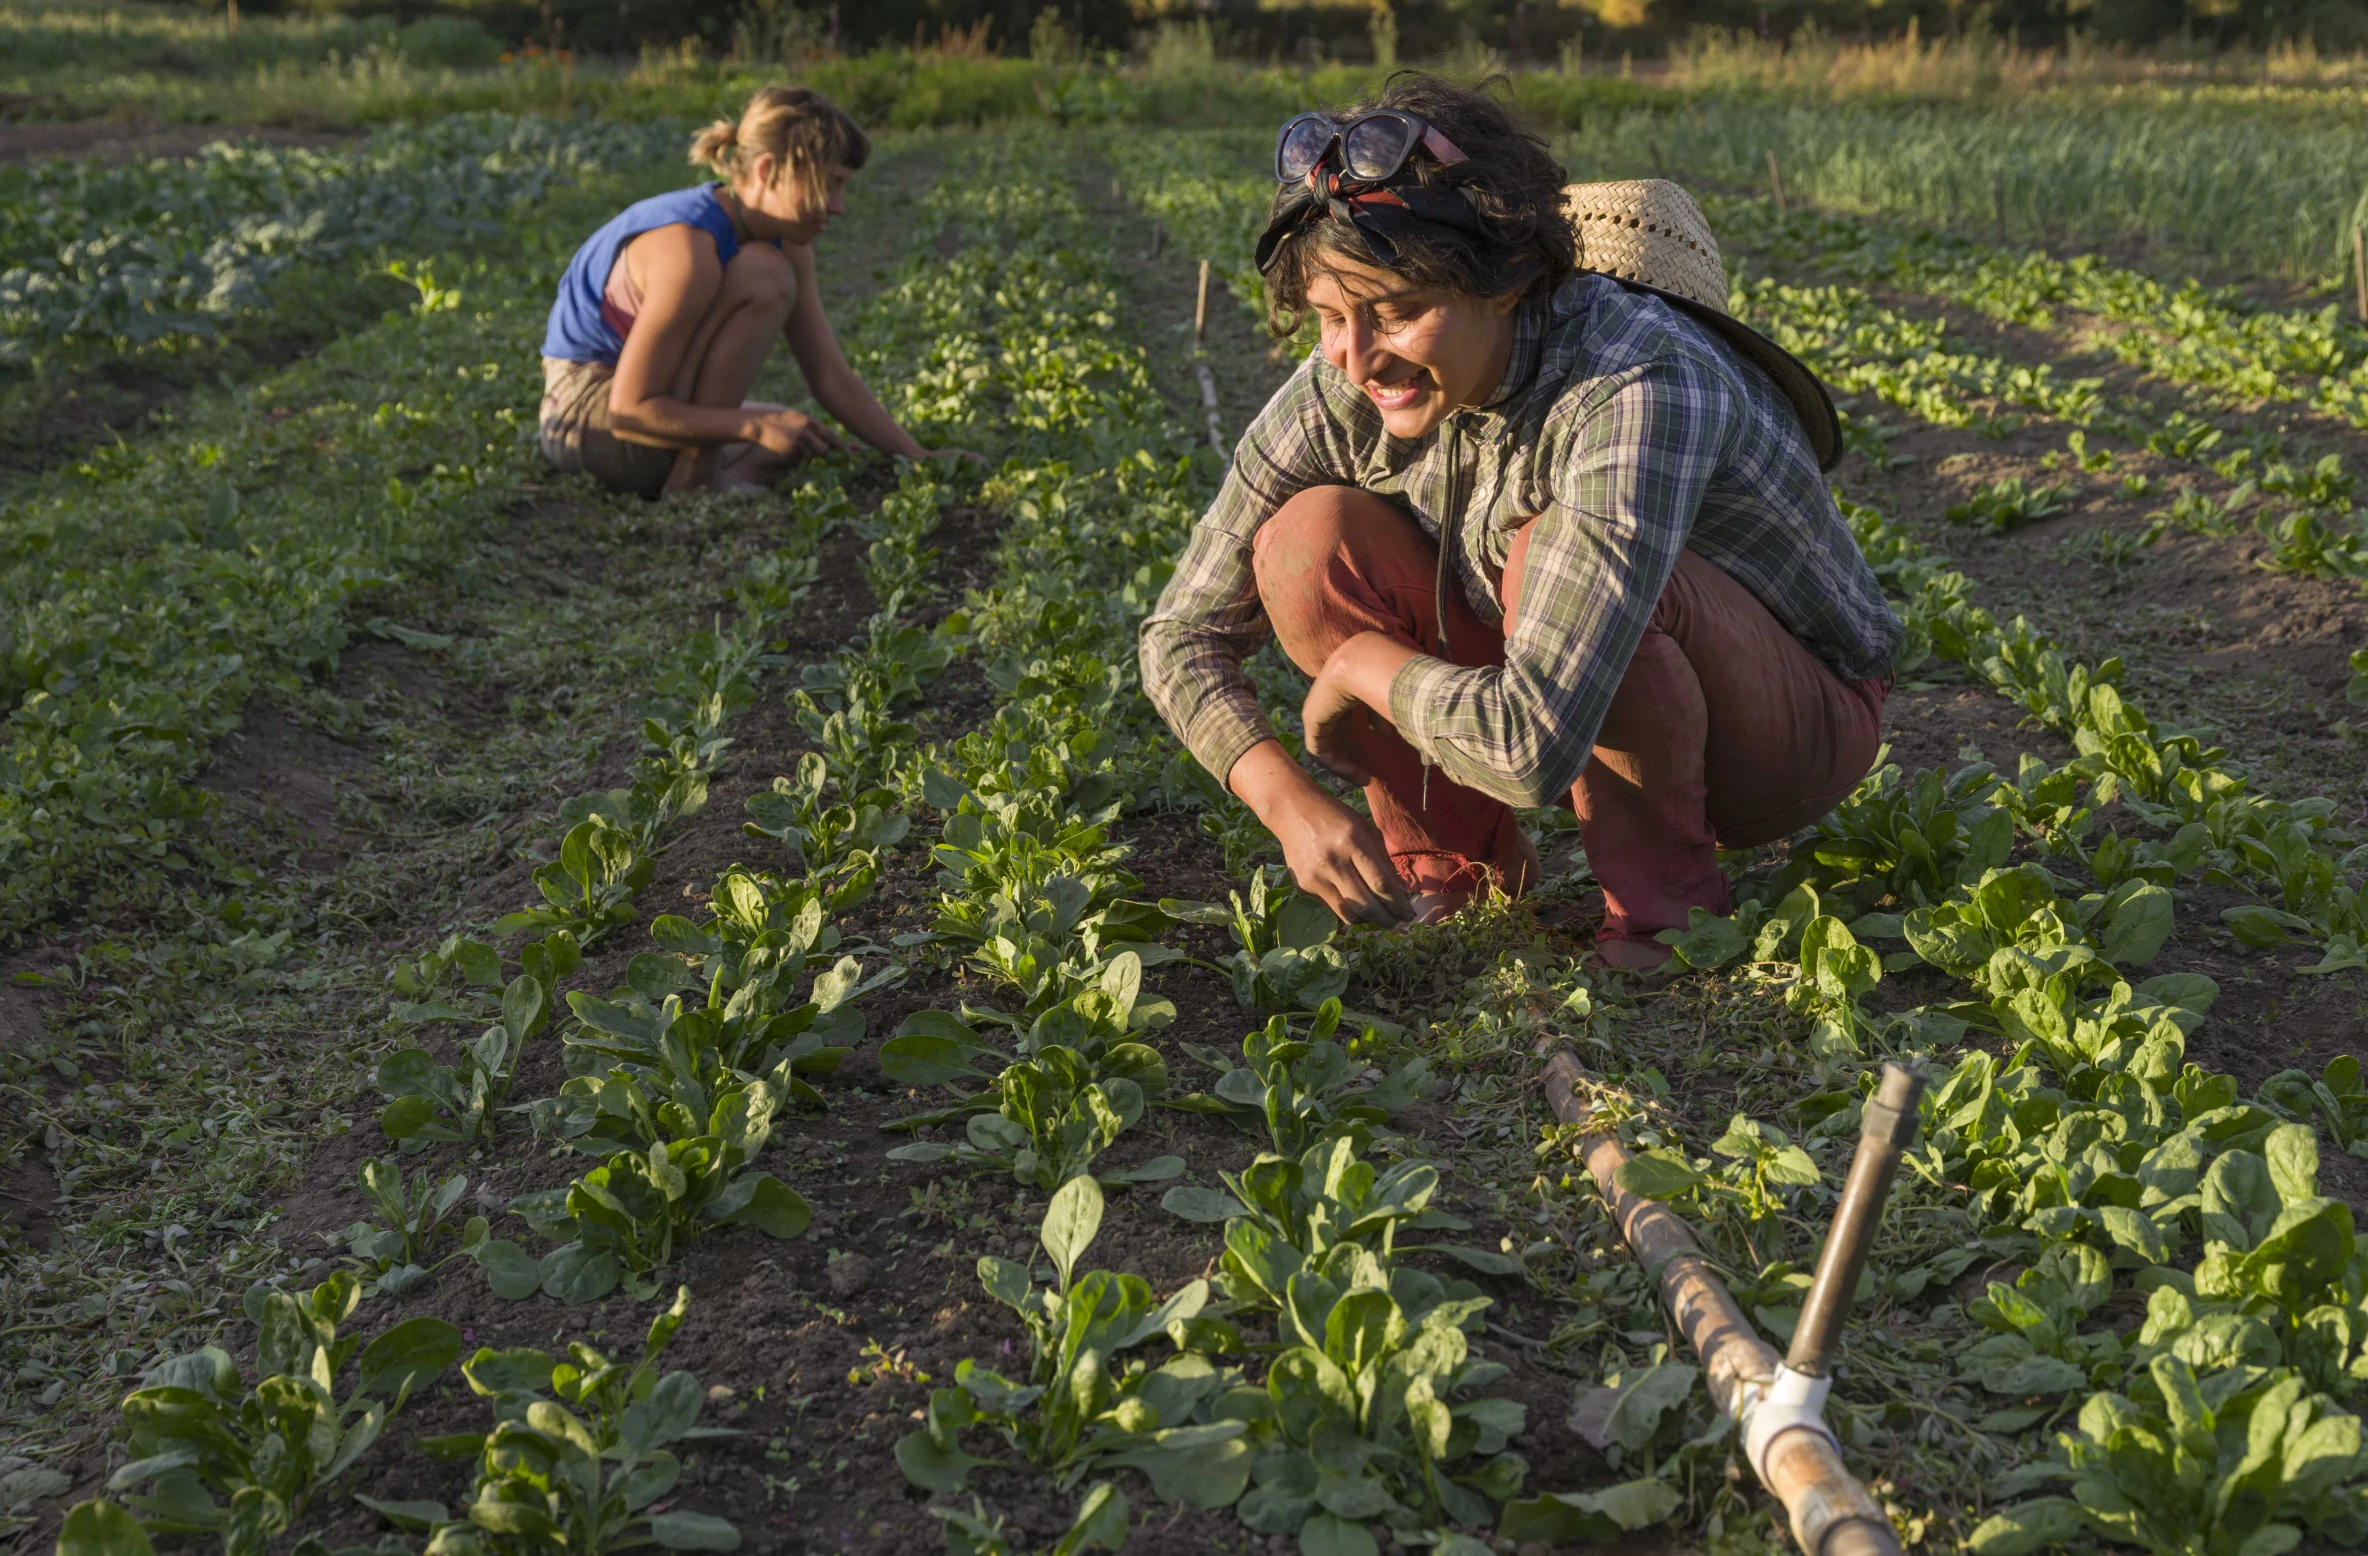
(1372,146)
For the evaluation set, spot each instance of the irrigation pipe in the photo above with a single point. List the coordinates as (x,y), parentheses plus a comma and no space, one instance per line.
(1777,1402)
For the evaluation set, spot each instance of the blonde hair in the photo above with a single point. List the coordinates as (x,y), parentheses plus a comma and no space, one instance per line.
(805,131)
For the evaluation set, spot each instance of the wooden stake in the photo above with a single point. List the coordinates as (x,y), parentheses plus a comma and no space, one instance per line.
(1159,234)
(2360,271)
(1998,204)
(1200,307)
(1775,180)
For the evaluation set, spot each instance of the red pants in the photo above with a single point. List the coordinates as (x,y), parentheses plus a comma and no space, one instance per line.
(1725,731)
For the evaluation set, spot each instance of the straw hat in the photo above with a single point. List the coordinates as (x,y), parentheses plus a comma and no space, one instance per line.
(1650,236)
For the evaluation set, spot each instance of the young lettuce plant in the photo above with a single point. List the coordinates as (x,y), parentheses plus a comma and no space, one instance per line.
(1053,1118)
(630,1215)
(1083,1408)
(1096,1024)
(196,1434)
(588,890)
(1284,957)
(395,1256)
(837,846)
(2244,1460)
(1283,1217)
(1077,1081)
(1304,1089)
(1100,1525)
(1365,1418)
(434,1103)
(2281,1277)
(577,1455)
(1915,841)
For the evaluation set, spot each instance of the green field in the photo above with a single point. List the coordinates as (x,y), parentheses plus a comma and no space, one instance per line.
(460,929)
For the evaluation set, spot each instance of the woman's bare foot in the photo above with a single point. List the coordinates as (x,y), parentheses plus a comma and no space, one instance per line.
(1646,960)
(747,467)
(694,471)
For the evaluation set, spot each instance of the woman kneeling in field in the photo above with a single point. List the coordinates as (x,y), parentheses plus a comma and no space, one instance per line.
(667,314)
(1548,530)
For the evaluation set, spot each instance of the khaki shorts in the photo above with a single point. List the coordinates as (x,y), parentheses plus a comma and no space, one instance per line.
(576,435)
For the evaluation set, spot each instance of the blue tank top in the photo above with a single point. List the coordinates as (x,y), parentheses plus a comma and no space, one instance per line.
(579,330)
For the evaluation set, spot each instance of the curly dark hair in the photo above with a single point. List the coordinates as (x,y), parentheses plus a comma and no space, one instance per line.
(1524,244)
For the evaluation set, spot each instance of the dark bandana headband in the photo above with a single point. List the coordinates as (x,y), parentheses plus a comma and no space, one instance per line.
(1381,215)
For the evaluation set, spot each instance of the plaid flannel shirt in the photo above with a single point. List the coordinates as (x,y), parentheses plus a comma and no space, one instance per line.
(1628,433)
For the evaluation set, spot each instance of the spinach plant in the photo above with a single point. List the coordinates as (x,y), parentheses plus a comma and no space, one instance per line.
(1083,1407)
(198,1434)
(1284,958)
(1321,1213)
(435,1103)
(395,1256)
(1304,1089)
(1100,1524)
(588,890)
(577,1455)
(2237,1463)
(631,1214)
(838,847)
(1366,1417)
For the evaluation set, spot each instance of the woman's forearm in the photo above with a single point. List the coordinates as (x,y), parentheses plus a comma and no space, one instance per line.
(667,422)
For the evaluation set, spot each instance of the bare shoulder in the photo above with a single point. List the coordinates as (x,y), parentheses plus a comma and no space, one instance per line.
(678,255)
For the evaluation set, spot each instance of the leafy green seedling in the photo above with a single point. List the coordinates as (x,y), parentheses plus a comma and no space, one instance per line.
(2008,504)
(1283,1216)
(195,1434)
(433,1103)
(1084,1407)
(840,844)
(1100,1524)
(396,1255)
(1304,1089)
(577,1456)
(1284,957)
(588,890)
(631,1214)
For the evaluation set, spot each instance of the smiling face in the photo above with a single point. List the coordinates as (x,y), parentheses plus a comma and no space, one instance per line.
(1419,353)
(789,210)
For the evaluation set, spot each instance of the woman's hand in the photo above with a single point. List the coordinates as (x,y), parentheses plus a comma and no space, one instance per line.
(792,434)
(1352,689)
(1340,857)
(1333,724)
(1332,852)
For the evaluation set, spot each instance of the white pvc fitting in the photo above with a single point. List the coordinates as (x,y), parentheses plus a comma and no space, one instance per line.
(1789,1402)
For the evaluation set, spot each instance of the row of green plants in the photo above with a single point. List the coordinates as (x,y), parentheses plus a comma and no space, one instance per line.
(577,1452)
(1368,1410)
(220,1458)
(2215,337)
(2178,173)
(2301,509)
(111,259)
(150,590)
(661,1091)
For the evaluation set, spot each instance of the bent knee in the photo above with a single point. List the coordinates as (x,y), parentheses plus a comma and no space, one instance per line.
(760,273)
(1315,526)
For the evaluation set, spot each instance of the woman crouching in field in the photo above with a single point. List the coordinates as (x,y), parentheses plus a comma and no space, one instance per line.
(1544,530)
(667,314)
